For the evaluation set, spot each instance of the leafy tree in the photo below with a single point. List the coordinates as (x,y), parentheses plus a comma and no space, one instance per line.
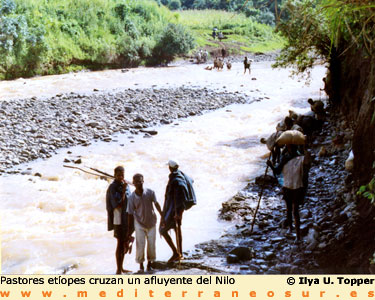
(174,4)
(174,40)
(306,31)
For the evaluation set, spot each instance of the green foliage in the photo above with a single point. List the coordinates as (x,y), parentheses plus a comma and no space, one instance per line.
(368,191)
(259,10)
(39,37)
(49,37)
(22,42)
(243,33)
(174,4)
(174,40)
(315,29)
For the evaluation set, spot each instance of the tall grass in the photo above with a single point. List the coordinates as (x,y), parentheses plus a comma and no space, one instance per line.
(243,34)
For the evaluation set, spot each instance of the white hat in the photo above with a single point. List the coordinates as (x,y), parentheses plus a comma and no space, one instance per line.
(172,164)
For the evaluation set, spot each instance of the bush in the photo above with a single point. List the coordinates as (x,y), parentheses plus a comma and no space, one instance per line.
(49,37)
(174,4)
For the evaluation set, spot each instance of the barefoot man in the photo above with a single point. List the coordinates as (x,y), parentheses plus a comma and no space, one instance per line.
(173,208)
(116,203)
(141,209)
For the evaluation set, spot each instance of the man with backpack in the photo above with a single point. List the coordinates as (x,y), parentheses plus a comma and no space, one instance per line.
(295,168)
(179,196)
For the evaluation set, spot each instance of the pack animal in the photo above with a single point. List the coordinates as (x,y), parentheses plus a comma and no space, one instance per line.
(218,64)
(229,65)
(317,107)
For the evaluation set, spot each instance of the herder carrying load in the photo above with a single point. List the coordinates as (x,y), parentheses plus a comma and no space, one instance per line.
(179,196)
(294,167)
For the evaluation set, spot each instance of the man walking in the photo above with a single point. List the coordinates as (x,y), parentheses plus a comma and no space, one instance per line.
(141,210)
(177,192)
(116,203)
(294,168)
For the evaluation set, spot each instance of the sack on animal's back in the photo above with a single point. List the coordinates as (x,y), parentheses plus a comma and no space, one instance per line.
(294,137)
(190,200)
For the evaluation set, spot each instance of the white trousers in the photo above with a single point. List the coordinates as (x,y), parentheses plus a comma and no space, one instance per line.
(141,234)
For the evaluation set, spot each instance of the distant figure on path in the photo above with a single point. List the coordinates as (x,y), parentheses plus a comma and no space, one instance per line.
(247,65)
(116,203)
(214,30)
(141,211)
(220,36)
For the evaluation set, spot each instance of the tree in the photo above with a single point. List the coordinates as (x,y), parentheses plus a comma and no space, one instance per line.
(174,4)
(174,40)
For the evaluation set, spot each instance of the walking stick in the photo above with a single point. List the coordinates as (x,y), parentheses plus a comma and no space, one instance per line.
(260,197)
(106,174)
(101,173)
(72,167)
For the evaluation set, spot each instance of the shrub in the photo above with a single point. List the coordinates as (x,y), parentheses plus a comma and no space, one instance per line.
(174,40)
(174,4)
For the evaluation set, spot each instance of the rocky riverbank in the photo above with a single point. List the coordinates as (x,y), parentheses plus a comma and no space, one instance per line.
(331,224)
(36,127)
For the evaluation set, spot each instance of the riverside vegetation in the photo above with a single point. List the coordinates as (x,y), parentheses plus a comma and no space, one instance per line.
(341,33)
(52,37)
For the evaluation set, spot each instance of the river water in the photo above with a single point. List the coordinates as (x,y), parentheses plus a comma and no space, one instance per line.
(58,222)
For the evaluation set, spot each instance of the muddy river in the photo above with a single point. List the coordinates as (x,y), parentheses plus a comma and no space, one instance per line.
(58,222)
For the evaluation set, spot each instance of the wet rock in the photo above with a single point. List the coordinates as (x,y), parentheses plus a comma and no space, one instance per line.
(266,180)
(150,132)
(243,253)
(268,255)
(232,259)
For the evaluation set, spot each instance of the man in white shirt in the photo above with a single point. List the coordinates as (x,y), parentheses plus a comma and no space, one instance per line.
(141,207)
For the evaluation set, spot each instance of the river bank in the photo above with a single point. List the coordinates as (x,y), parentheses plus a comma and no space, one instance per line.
(333,240)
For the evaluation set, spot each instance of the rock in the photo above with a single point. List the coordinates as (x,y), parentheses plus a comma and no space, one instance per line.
(92,123)
(38,175)
(266,180)
(243,253)
(151,132)
(232,259)
(269,255)
(323,152)
(78,161)
(349,163)
(128,109)
(66,160)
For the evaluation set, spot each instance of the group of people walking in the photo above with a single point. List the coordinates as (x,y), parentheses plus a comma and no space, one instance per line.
(134,211)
